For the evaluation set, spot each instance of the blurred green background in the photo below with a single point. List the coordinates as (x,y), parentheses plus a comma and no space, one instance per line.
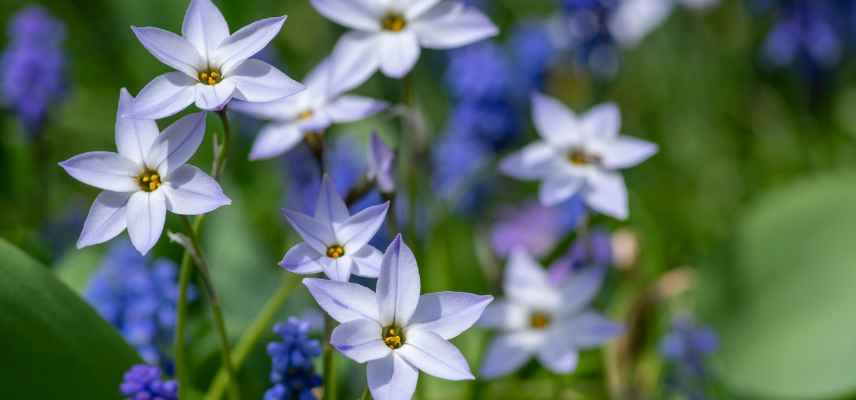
(753,189)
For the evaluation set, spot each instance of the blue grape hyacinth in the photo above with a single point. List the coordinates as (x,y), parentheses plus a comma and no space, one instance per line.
(144,382)
(292,373)
(33,67)
(686,346)
(591,40)
(139,299)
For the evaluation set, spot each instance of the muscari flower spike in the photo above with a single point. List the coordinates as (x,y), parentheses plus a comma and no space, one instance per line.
(293,373)
(145,179)
(395,330)
(389,34)
(144,382)
(312,110)
(544,320)
(211,65)
(335,242)
(579,155)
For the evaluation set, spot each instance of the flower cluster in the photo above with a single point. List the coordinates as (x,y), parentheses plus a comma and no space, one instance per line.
(686,346)
(144,382)
(293,374)
(138,298)
(34,67)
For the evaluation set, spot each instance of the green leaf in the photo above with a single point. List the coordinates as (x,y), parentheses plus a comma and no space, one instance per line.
(784,306)
(54,345)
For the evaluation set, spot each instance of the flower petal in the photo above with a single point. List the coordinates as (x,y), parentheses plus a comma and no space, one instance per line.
(104,170)
(258,81)
(624,152)
(134,137)
(505,315)
(106,219)
(316,234)
(415,8)
(447,314)
(344,301)
(508,352)
(367,262)
(177,144)
(391,378)
(558,188)
(354,108)
(526,282)
(558,360)
(215,97)
(189,191)
(601,122)
(590,329)
(330,207)
(581,287)
(555,122)
(363,15)
(434,355)
(204,27)
(398,284)
(146,215)
(274,140)
(337,269)
(302,259)
(399,52)
(164,96)
(530,163)
(361,227)
(170,49)
(355,58)
(606,193)
(451,24)
(246,42)
(360,340)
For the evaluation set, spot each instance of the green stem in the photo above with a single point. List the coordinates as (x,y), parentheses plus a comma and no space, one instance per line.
(257,329)
(366,395)
(329,367)
(216,310)
(181,368)
(220,159)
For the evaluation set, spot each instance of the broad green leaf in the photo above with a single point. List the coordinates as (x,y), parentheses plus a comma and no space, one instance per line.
(784,307)
(54,345)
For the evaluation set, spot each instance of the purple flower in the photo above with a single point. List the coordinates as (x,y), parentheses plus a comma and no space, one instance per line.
(686,346)
(534,53)
(138,298)
(33,67)
(381,164)
(343,161)
(591,250)
(590,37)
(144,382)
(807,32)
(293,373)
(534,227)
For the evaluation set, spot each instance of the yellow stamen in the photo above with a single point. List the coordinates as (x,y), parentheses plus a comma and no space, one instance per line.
(210,77)
(393,337)
(305,115)
(581,157)
(335,251)
(393,22)
(149,180)
(539,320)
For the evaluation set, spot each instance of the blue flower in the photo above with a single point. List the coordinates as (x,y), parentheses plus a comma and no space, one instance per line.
(139,299)
(293,374)
(593,249)
(686,346)
(34,67)
(588,27)
(144,382)
(479,71)
(534,54)
(342,160)
(534,227)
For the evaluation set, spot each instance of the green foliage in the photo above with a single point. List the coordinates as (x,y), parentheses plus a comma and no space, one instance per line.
(54,345)
(784,307)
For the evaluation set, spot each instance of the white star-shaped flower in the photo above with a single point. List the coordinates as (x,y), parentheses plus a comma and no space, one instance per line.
(543,320)
(312,110)
(579,155)
(145,179)
(212,65)
(389,34)
(397,331)
(335,242)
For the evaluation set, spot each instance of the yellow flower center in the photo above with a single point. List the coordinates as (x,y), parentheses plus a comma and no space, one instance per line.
(393,337)
(305,115)
(539,320)
(335,251)
(393,22)
(149,180)
(581,157)
(211,76)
